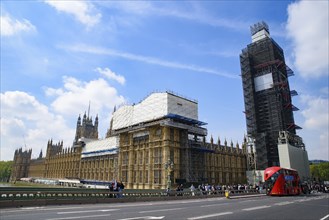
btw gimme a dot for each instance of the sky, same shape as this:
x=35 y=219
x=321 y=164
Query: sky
x=59 y=56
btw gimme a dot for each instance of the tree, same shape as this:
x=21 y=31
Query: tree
x=324 y=171
x=320 y=171
x=5 y=170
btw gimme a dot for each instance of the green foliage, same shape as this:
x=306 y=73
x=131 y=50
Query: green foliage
x=5 y=170
x=320 y=171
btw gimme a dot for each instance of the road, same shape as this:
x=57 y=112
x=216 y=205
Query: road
x=315 y=206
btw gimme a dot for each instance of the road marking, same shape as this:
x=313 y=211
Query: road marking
x=37 y=207
x=143 y=217
x=283 y=203
x=191 y=201
x=78 y=217
x=160 y=210
x=211 y=215
x=247 y=196
x=258 y=207
x=54 y=208
x=41 y=208
x=324 y=217
x=215 y=205
x=75 y=212
x=247 y=201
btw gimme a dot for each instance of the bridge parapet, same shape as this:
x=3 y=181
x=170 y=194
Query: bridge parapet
x=18 y=197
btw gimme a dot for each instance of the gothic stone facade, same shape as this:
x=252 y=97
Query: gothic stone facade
x=142 y=156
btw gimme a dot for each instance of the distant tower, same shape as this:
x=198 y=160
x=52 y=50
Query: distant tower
x=21 y=164
x=86 y=128
x=40 y=155
x=267 y=96
x=53 y=149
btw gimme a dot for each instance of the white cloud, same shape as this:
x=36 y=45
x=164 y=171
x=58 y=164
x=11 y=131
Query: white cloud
x=146 y=59
x=308 y=27
x=75 y=96
x=316 y=113
x=111 y=75
x=316 y=126
x=10 y=26
x=83 y=11
x=24 y=120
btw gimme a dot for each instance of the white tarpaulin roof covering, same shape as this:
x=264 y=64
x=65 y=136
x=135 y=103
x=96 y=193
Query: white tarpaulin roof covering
x=155 y=106
x=101 y=147
x=69 y=181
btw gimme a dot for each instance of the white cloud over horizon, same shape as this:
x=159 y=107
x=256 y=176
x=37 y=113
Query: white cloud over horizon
x=11 y=26
x=27 y=121
x=83 y=11
x=111 y=75
x=75 y=96
x=307 y=26
x=316 y=125
x=316 y=114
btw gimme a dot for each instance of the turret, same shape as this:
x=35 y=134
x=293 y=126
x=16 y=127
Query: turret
x=237 y=147
x=244 y=145
x=96 y=121
x=84 y=120
x=225 y=145
x=79 y=121
x=86 y=129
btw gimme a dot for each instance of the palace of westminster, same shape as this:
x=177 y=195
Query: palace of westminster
x=144 y=141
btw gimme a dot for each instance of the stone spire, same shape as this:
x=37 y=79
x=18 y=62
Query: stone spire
x=237 y=147
x=244 y=144
x=40 y=155
x=96 y=122
x=225 y=145
x=218 y=141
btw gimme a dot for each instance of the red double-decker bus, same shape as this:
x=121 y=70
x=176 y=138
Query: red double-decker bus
x=281 y=181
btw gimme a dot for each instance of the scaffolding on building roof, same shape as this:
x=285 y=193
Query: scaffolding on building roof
x=258 y=27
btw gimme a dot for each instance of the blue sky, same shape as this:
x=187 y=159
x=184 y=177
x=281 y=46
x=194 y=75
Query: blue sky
x=56 y=56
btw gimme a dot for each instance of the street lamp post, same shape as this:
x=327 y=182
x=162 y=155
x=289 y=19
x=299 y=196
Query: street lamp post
x=169 y=166
x=252 y=165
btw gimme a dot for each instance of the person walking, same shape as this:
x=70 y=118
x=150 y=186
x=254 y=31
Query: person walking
x=192 y=190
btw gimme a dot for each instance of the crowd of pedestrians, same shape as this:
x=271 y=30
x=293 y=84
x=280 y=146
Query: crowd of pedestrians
x=208 y=189
x=317 y=187
x=117 y=188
